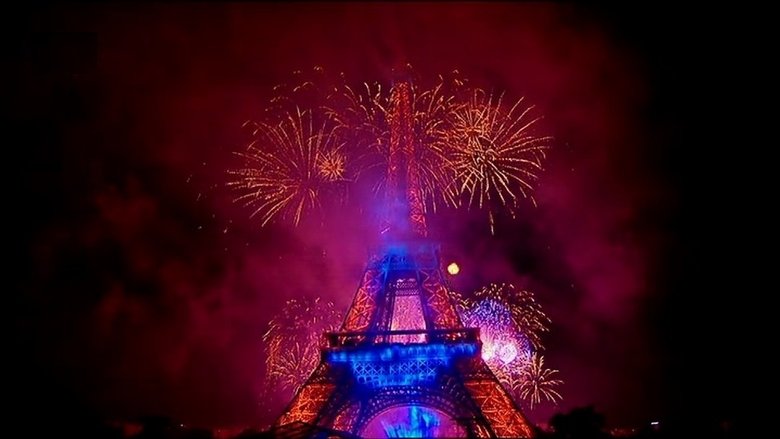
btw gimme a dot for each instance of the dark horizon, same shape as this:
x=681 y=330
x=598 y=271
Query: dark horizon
x=139 y=288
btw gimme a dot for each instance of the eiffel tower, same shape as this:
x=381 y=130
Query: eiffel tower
x=402 y=364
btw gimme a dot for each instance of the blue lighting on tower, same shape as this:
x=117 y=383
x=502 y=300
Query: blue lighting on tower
x=421 y=423
x=400 y=365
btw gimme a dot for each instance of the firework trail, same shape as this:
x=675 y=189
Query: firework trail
x=538 y=384
x=292 y=342
x=288 y=167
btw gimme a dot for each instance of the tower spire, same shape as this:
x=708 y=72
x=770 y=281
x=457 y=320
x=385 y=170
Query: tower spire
x=405 y=214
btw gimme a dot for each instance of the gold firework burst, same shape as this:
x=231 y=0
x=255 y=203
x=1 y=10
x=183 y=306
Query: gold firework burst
x=465 y=147
x=287 y=167
x=538 y=384
x=493 y=151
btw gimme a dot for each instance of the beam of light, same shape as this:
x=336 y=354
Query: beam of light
x=453 y=268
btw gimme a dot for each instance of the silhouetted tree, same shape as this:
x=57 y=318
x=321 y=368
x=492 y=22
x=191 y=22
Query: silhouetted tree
x=155 y=427
x=251 y=433
x=580 y=423
x=198 y=433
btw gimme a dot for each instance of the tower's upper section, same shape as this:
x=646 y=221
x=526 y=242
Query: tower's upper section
x=405 y=216
x=403 y=289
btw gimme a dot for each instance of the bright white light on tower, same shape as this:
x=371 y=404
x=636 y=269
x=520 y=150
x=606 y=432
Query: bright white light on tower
x=507 y=353
x=453 y=269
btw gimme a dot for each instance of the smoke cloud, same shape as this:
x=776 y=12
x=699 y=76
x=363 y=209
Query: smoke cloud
x=149 y=289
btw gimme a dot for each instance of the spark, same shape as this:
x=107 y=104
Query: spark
x=294 y=364
x=453 y=268
x=359 y=116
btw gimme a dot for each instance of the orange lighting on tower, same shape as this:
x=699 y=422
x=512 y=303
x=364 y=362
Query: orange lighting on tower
x=453 y=268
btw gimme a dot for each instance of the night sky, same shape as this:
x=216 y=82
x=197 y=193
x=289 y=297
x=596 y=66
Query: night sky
x=139 y=288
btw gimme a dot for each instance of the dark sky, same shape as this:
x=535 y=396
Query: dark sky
x=138 y=288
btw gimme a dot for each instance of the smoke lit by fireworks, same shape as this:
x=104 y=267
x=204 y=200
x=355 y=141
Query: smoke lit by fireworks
x=291 y=343
x=538 y=383
x=468 y=149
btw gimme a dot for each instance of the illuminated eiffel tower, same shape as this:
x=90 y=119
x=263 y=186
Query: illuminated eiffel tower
x=402 y=364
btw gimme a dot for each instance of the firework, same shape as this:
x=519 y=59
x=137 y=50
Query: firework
x=288 y=167
x=526 y=314
x=503 y=344
x=367 y=110
x=432 y=110
x=292 y=341
x=359 y=115
x=465 y=148
x=293 y=365
x=493 y=152
x=511 y=324
x=331 y=165
x=538 y=384
x=364 y=116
